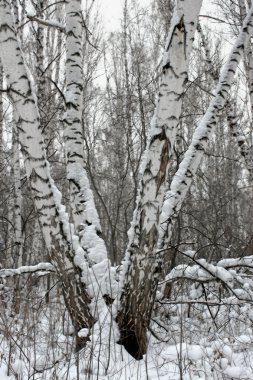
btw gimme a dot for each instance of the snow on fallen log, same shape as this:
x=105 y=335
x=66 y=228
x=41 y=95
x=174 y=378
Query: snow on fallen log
x=41 y=267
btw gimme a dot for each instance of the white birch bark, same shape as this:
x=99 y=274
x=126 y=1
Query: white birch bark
x=187 y=169
x=17 y=199
x=59 y=45
x=15 y=11
x=18 y=235
x=136 y=297
x=246 y=147
x=232 y=118
x=65 y=252
x=84 y=212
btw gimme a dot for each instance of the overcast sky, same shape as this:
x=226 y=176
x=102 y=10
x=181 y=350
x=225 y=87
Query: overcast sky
x=111 y=11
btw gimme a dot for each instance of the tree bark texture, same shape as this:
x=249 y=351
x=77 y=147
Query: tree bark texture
x=232 y=117
x=189 y=165
x=64 y=250
x=137 y=294
x=85 y=217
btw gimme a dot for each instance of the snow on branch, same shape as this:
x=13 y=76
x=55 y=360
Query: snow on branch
x=41 y=267
x=246 y=262
x=49 y=23
x=204 y=272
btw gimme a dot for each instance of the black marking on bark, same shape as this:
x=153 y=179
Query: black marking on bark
x=4 y=27
x=43 y=197
x=199 y=147
x=75 y=183
x=46 y=207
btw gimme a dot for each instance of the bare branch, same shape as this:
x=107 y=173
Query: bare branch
x=50 y=24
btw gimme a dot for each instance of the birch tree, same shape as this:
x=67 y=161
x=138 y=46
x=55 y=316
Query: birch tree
x=246 y=146
x=64 y=250
x=137 y=294
x=84 y=212
x=187 y=169
x=74 y=249
x=232 y=116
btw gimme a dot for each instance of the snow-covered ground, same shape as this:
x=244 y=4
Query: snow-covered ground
x=204 y=331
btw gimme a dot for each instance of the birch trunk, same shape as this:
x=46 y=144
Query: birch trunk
x=18 y=241
x=64 y=250
x=84 y=213
x=18 y=238
x=188 y=167
x=232 y=118
x=246 y=148
x=137 y=295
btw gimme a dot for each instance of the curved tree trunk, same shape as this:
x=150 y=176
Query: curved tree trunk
x=64 y=250
x=244 y=145
x=137 y=295
x=189 y=165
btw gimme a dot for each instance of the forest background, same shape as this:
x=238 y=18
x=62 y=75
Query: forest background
x=180 y=305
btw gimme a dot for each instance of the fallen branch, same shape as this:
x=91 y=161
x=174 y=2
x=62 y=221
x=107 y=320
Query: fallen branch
x=41 y=267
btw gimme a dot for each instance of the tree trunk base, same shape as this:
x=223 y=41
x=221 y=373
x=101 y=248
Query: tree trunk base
x=133 y=338
x=81 y=342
